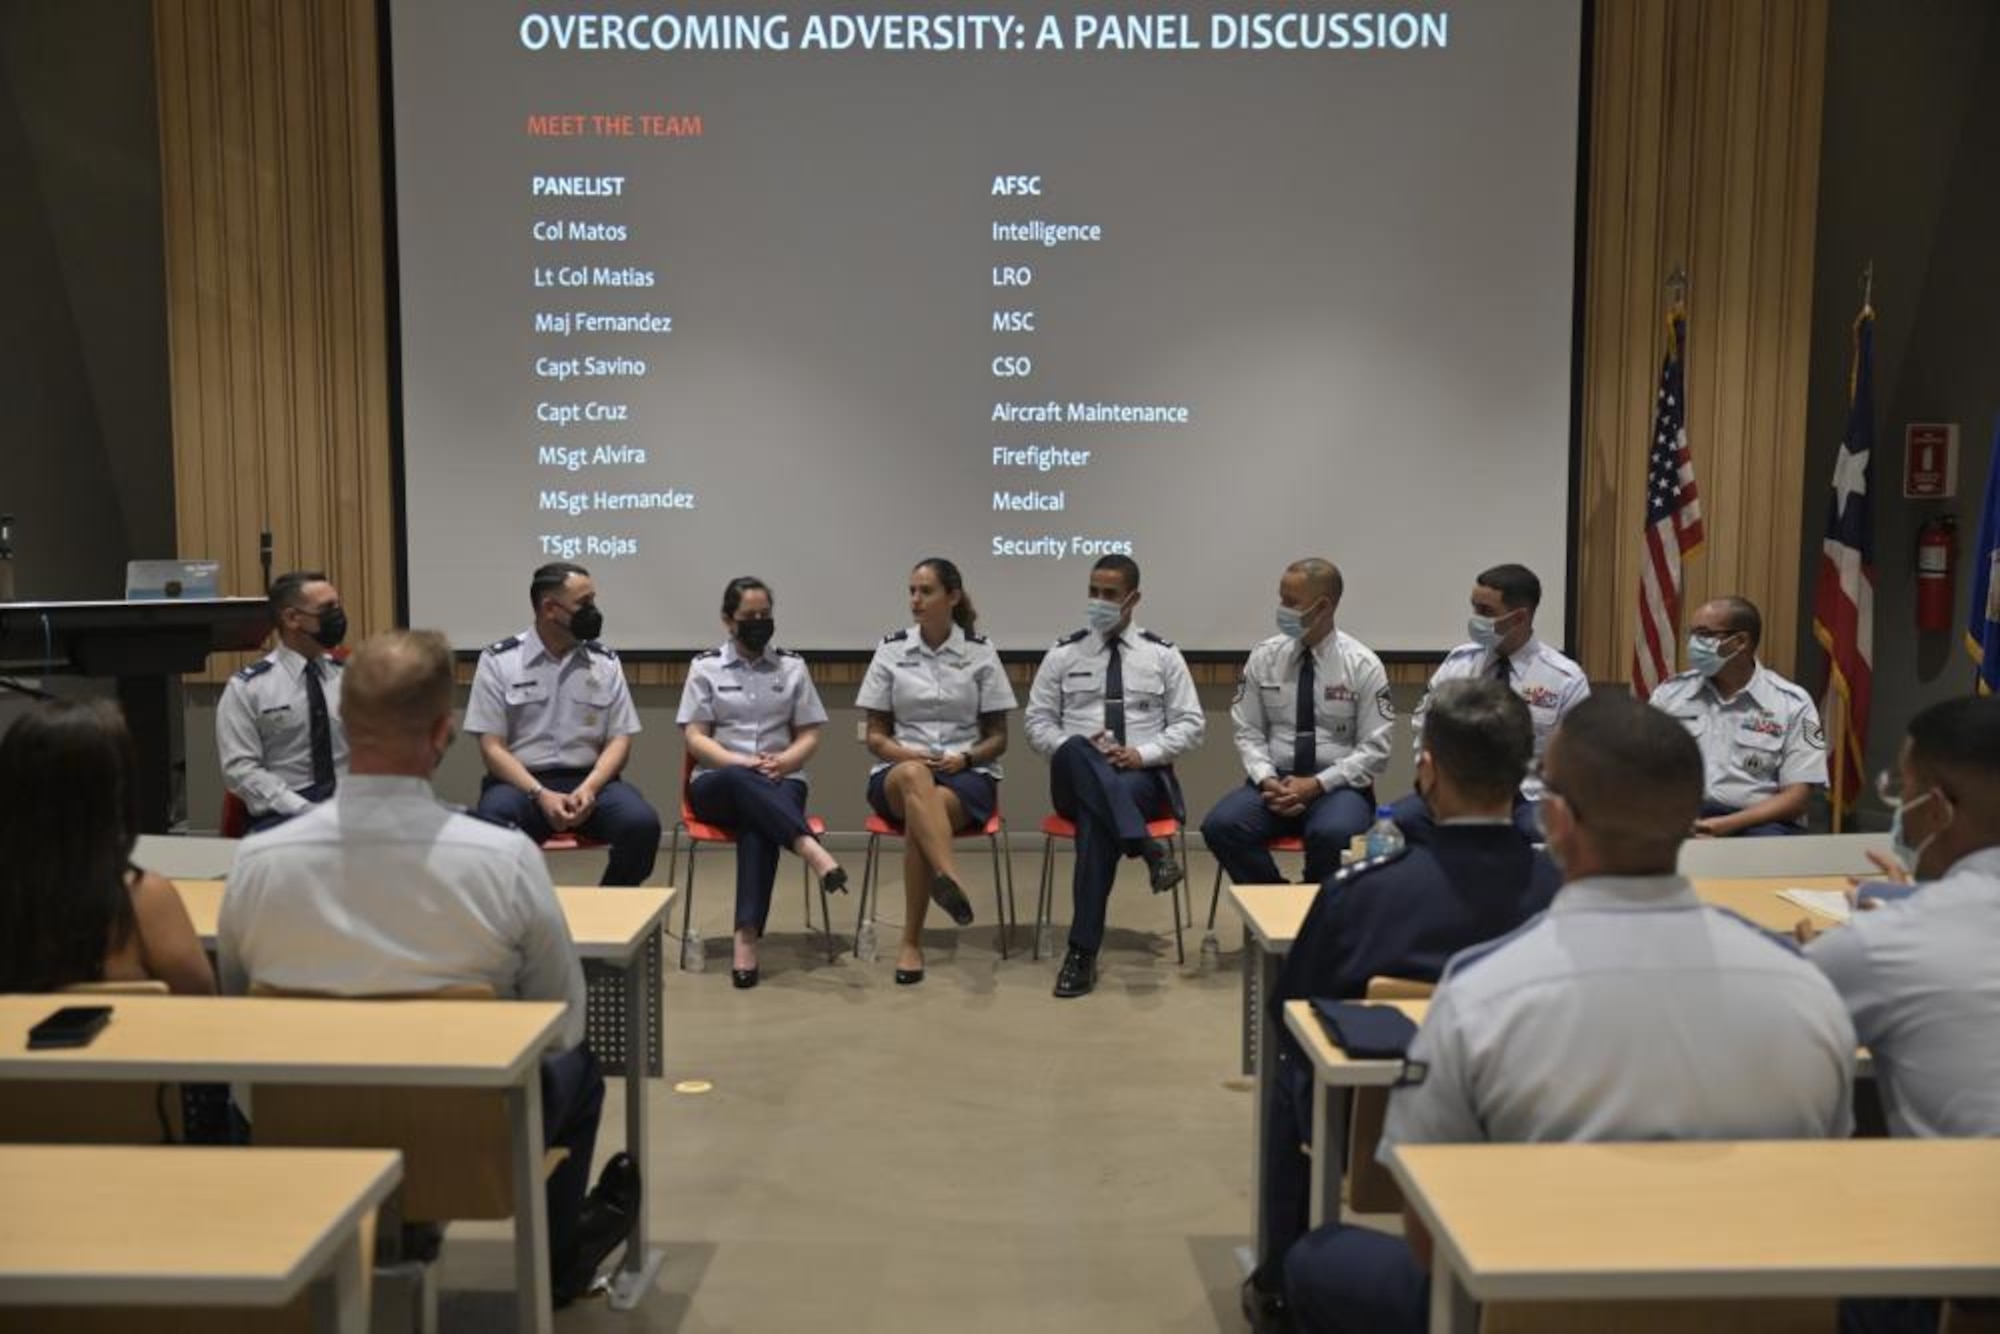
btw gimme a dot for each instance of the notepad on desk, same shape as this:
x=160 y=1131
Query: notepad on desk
x=1826 y=902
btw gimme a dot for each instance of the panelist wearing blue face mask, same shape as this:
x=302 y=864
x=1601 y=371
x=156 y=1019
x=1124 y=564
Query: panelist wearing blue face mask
x=1503 y=647
x=1112 y=708
x=1313 y=715
x=1761 y=742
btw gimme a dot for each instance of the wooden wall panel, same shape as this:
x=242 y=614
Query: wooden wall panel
x=1704 y=152
x=277 y=341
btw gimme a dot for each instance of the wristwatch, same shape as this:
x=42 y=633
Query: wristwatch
x=536 y=793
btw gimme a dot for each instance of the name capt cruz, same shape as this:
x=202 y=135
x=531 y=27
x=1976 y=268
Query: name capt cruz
x=569 y=414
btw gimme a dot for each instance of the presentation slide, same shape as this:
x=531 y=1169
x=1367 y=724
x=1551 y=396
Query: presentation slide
x=690 y=293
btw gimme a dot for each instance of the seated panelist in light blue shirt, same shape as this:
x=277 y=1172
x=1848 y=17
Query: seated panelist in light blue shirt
x=752 y=719
x=937 y=699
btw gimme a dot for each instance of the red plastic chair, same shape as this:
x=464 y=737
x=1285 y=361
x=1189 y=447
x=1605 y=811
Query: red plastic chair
x=1056 y=827
x=994 y=831
x=235 y=819
x=568 y=840
x=699 y=831
x=1282 y=843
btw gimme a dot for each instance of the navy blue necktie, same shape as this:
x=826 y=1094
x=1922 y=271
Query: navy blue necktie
x=1305 y=743
x=1114 y=695
x=1503 y=670
x=321 y=729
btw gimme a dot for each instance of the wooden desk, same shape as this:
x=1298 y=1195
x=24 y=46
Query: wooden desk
x=1272 y=916
x=1756 y=898
x=96 y=1226
x=258 y=1040
x=1334 y=1073
x=1540 y=1222
x=616 y=927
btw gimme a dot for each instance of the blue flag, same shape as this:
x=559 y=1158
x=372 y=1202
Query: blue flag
x=1982 y=630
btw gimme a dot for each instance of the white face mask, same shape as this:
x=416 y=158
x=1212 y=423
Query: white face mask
x=1102 y=616
x=1899 y=846
x=1484 y=631
x=1291 y=622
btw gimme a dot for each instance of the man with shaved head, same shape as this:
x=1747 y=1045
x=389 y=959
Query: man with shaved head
x=1762 y=748
x=1313 y=717
x=384 y=889
x=1629 y=1011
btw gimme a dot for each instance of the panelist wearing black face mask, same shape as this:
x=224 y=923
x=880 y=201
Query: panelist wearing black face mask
x=752 y=719
x=555 y=723
x=277 y=726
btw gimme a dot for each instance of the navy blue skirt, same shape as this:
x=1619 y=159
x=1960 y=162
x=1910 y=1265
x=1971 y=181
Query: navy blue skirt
x=977 y=793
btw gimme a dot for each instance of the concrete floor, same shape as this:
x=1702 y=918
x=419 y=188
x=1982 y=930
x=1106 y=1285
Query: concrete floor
x=968 y=1154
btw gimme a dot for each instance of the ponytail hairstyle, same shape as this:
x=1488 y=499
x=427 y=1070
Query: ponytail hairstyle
x=952 y=581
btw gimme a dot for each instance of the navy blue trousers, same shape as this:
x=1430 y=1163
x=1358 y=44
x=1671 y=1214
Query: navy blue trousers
x=1239 y=826
x=1769 y=829
x=767 y=815
x=1110 y=808
x=1286 y=1187
x=1351 y=1280
x=622 y=818
x=572 y=1105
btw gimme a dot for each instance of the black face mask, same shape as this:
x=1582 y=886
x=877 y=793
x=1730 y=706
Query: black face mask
x=332 y=628
x=586 y=622
x=753 y=635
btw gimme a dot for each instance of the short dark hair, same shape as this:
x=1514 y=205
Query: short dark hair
x=1479 y=733
x=733 y=591
x=1320 y=573
x=1744 y=618
x=1960 y=740
x=1516 y=585
x=287 y=589
x=1127 y=568
x=549 y=579
x=1633 y=777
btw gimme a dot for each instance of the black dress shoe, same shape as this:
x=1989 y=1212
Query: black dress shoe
x=1161 y=867
x=946 y=894
x=909 y=977
x=606 y=1220
x=1078 y=974
x=1265 y=1310
x=743 y=978
x=834 y=881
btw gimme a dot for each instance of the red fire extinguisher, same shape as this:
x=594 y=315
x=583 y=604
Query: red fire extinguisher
x=1937 y=546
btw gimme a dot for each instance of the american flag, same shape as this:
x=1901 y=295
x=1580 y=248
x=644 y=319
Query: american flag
x=1844 y=602
x=1673 y=520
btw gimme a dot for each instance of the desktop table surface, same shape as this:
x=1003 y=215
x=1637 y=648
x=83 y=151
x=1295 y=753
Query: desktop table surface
x=604 y=923
x=104 y=1225
x=433 y=1043
x=1274 y=914
x=1770 y=1218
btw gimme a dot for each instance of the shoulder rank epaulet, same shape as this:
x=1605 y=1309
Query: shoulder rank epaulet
x=1149 y=635
x=789 y=653
x=709 y=653
x=503 y=645
x=972 y=637
x=255 y=669
x=592 y=646
x=1072 y=637
x=1356 y=870
x=896 y=636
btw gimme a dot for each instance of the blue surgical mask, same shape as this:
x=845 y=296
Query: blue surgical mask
x=1102 y=616
x=1899 y=847
x=1291 y=622
x=1706 y=656
x=1485 y=631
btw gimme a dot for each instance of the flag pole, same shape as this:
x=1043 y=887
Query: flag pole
x=1839 y=752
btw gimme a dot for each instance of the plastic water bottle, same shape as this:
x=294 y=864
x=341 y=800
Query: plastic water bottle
x=1211 y=953
x=1045 y=944
x=694 y=954
x=1384 y=839
x=867 y=947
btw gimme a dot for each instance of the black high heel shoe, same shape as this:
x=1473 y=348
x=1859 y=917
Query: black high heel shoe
x=743 y=978
x=909 y=977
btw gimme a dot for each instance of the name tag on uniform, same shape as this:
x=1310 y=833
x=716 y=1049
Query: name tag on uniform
x=521 y=690
x=279 y=708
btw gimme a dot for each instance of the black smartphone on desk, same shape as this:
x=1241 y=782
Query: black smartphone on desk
x=71 y=1026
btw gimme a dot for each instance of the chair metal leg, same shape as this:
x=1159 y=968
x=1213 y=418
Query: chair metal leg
x=1044 y=895
x=999 y=902
x=825 y=924
x=868 y=887
x=687 y=901
x=1180 y=940
x=1214 y=898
